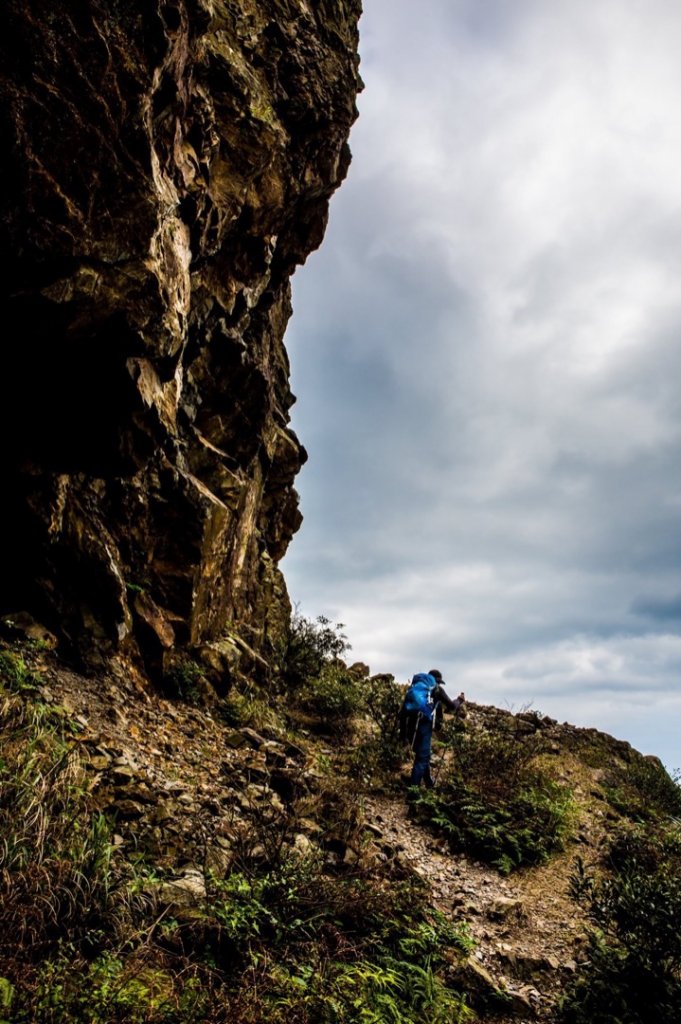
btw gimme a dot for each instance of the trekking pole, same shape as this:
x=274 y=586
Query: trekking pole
x=441 y=761
x=435 y=775
x=419 y=716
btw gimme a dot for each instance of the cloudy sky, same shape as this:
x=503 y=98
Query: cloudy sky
x=486 y=352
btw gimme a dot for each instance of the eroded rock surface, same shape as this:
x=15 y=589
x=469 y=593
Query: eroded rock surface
x=165 y=168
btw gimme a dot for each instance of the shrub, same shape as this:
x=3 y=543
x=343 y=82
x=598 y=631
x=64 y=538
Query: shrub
x=15 y=675
x=384 y=699
x=335 y=697
x=351 y=950
x=311 y=644
x=523 y=829
x=643 y=790
x=316 y=678
x=242 y=708
x=376 y=759
x=183 y=679
x=112 y=990
x=495 y=801
x=633 y=971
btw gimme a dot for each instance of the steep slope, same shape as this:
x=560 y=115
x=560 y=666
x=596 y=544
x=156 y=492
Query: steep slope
x=166 y=166
x=258 y=871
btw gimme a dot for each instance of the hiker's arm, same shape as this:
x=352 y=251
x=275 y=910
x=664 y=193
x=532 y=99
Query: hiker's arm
x=441 y=696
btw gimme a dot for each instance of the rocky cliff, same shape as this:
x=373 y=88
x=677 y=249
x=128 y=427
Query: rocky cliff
x=166 y=165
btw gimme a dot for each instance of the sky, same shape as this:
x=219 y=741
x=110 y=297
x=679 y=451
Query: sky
x=486 y=353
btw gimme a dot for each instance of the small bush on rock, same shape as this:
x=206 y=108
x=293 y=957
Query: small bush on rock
x=381 y=753
x=643 y=790
x=311 y=644
x=317 y=679
x=633 y=971
x=335 y=696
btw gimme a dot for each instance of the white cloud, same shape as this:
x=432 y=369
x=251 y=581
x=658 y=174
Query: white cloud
x=486 y=351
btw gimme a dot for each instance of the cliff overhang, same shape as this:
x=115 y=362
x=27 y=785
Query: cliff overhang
x=167 y=166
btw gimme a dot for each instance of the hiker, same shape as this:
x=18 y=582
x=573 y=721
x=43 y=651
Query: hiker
x=420 y=713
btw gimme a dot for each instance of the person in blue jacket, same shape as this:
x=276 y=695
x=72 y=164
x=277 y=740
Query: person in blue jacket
x=420 y=713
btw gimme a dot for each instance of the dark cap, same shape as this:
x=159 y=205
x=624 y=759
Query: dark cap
x=436 y=674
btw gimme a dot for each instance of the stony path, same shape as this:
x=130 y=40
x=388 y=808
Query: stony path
x=526 y=928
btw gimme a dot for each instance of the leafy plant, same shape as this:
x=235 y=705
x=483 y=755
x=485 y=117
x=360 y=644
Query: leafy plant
x=335 y=697
x=15 y=675
x=311 y=644
x=383 y=700
x=633 y=971
x=643 y=790
x=495 y=801
x=249 y=708
x=182 y=680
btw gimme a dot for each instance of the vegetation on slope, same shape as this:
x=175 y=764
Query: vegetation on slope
x=304 y=919
x=632 y=974
x=496 y=799
x=278 y=935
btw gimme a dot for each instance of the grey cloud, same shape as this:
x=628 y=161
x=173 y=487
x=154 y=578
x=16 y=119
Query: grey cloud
x=486 y=356
x=659 y=608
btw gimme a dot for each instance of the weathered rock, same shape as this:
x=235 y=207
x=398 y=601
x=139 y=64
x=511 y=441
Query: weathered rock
x=505 y=908
x=165 y=168
x=288 y=783
x=190 y=888
x=164 y=811
x=235 y=740
x=274 y=753
x=520 y=1003
x=122 y=773
x=252 y=738
x=476 y=980
x=294 y=752
x=530 y=965
x=22 y=625
x=302 y=845
x=127 y=809
x=140 y=792
x=350 y=857
x=373 y=829
x=98 y=763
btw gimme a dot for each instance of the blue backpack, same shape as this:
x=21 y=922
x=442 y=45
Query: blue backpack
x=419 y=696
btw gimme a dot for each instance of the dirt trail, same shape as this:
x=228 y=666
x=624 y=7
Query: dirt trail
x=527 y=929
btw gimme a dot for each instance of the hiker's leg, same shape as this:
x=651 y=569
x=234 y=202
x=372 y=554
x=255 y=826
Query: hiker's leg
x=421 y=769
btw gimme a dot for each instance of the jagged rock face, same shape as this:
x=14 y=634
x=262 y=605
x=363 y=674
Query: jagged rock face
x=165 y=168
